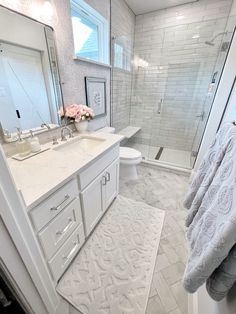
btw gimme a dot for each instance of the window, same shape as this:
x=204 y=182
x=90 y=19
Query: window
x=90 y=31
x=122 y=53
x=118 y=56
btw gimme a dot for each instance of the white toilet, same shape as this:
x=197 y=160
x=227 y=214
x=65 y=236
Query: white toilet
x=129 y=159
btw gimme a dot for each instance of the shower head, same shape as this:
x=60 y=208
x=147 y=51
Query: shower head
x=211 y=42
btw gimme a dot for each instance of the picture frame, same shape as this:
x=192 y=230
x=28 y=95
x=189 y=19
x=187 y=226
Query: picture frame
x=95 y=88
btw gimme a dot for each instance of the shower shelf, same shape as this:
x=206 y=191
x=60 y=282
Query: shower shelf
x=129 y=131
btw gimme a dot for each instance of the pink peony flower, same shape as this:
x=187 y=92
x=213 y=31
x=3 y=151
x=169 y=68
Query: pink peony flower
x=79 y=112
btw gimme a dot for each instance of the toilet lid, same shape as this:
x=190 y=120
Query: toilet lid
x=129 y=153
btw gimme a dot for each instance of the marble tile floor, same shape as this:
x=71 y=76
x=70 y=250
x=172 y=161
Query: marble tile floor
x=164 y=190
x=179 y=158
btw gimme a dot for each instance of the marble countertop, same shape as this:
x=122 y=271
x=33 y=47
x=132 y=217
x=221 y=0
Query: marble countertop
x=37 y=177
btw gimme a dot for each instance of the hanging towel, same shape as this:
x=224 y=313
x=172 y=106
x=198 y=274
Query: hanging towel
x=211 y=220
x=223 y=278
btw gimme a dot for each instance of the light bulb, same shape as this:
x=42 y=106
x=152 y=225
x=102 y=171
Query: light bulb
x=47 y=11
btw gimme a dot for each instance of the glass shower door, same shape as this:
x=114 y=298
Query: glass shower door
x=212 y=88
x=177 y=114
x=185 y=86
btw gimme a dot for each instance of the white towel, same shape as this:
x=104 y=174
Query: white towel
x=212 y=211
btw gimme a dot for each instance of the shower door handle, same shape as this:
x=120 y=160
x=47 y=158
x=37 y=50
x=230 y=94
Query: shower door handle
x=160 y=104
x=201 y=115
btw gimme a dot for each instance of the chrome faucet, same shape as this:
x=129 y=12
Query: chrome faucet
x=63 y=130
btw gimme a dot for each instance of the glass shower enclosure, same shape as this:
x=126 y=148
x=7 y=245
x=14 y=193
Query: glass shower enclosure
x=170 y=90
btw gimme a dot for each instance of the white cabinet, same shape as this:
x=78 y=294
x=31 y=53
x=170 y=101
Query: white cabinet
x=53 y=205
x=66 y=253
x=111 y=188
x=59 y=229
x=58 y=224
x=98 y=195
x=63 y=219
x=92 y=203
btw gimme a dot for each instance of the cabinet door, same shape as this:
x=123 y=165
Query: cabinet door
x=92 y=203
x=112 y=183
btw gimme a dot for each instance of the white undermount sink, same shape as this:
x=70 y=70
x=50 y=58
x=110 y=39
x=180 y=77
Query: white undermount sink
x=82 y=142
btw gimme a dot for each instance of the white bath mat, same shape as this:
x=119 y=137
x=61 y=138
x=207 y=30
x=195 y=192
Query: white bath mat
x=112 y=273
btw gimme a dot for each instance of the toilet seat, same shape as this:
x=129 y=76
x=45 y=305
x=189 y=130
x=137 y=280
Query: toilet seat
x=129 y=153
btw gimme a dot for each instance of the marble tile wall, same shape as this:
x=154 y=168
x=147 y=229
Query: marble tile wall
x=176 y=67
x=122 y=30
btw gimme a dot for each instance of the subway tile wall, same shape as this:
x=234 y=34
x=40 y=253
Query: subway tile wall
x=173 y=69
x=122 y=31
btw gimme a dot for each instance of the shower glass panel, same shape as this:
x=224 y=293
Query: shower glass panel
x=173 y=90
x=121 y=80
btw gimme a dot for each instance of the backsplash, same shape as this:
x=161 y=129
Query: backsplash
x=44 y=137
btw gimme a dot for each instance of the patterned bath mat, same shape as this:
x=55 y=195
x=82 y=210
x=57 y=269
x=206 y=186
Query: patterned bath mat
x=113 y=271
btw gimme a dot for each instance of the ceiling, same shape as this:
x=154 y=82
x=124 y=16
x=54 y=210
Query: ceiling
x=141 y=6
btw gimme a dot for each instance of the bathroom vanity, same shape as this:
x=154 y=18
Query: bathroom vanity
x=66 y=190
x=52 y=201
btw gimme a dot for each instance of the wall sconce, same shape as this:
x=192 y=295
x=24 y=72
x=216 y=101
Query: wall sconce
x=142 y=63
x=48 y=12
x=139 y=62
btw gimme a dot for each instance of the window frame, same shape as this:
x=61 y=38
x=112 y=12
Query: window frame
x=82 y=8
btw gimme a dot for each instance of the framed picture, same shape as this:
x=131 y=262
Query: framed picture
x=96 y=95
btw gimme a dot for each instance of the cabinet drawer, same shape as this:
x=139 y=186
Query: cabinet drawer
x=48 y=209
x=64 y=256
x=88 y=175
x=60 y=228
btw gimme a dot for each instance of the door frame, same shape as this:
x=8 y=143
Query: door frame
x=14 y=271
x=15 y=218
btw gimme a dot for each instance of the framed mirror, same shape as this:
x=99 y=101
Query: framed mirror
x=30 y=93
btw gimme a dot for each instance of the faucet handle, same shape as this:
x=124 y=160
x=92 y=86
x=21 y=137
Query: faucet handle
x=63 y=138
x=54 y=140
x=71 y=134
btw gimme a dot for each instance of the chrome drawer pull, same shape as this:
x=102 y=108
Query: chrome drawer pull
x=67 y=196
x=71 y=252
x=108 y=176
x=66 y=228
